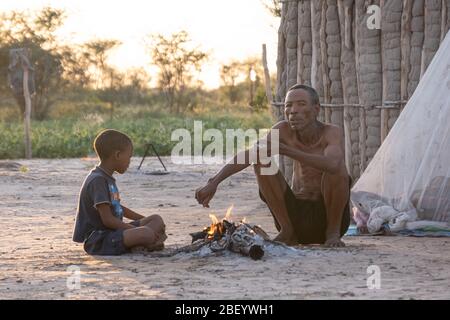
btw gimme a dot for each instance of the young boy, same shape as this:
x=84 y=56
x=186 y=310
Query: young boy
x=99 y=215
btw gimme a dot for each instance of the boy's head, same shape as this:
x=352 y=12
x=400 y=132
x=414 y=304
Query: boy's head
x=114 y=147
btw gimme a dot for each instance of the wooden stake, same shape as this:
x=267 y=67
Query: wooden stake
x=347 y=26
x=384 y=112
x=300 y=65
x=267 y=76
x=324 y=56
x=405 y=49
x=362 y=111
x=362 y=139
x=27 y=117
x=347 y=139
x=444 y=14
x=345 y=18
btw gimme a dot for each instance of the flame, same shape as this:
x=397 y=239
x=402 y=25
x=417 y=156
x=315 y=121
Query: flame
x=217 y=228
x=214 y=219
x=213 y=227
x=244 y=220
x=228 y=214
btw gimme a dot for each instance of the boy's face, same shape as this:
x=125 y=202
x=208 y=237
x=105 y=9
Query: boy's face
x=123 y=159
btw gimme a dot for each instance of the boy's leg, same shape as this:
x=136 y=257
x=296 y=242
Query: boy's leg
x=154 y=221
x=143 y=236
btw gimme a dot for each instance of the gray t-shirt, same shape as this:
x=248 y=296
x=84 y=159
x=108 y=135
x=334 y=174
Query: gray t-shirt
x=98 y=187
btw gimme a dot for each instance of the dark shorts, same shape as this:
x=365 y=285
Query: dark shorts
x=105 y=243
x=309 y=218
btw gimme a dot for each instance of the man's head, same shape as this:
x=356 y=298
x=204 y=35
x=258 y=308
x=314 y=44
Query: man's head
x=301 y=106
x=114 y=147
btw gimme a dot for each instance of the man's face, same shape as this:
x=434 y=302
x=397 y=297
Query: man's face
x=123 y=159
x=299 y=110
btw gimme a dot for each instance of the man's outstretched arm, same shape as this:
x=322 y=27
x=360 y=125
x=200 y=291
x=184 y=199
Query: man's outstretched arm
x=239 y=162
x=206 y=193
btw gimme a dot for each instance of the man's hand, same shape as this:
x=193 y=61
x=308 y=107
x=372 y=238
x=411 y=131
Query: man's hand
x=334 y=242
x=205 y=194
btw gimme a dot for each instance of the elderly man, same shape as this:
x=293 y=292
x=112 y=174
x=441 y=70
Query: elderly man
x=315 y=208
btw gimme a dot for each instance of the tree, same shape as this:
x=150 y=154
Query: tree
x=76 y=64
x=274 y=7
x=111 y=93
x=37 y=34
x=176 y=64
x=242 y=81
x=136 y=81
x=97 y=51
x=229 y=75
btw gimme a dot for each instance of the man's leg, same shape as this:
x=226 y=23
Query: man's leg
x=273 y=188
x=335 y=191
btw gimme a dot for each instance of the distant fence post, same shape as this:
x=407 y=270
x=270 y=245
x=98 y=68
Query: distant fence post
x=267 y=76
x=20 y=79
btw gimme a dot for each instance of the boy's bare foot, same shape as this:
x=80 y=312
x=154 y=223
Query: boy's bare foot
x=156 y=247
x=138 y=249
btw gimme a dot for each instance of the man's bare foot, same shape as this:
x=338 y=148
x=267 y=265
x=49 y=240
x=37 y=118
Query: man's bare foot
x=334 y=243
x=288 y=239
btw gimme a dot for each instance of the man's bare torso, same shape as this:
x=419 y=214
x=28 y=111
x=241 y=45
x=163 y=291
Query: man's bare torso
x=306 y=180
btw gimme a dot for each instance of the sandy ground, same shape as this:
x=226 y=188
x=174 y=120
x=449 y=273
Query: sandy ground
x=37 y=253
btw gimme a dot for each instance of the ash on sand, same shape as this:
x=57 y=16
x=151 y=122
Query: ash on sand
x=271 y=250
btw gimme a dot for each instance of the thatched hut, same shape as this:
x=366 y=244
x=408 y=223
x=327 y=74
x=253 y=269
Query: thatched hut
x=362 y=73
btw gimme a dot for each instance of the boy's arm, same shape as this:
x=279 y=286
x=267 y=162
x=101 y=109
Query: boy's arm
x=109 y=220
x=130 y=214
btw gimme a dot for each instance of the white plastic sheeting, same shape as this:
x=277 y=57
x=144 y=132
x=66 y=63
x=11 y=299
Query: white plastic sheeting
x=408 y=179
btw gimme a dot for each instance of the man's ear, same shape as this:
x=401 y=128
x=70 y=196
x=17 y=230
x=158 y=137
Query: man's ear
x=317 y=108
x=117 y=154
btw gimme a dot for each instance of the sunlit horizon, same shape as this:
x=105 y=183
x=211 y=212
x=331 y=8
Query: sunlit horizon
x=228 y=30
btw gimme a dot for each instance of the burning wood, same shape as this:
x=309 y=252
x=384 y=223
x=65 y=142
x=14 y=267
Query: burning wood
x=241 y=238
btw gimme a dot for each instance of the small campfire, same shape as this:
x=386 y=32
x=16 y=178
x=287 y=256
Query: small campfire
x=239 y=237
x=225 y=235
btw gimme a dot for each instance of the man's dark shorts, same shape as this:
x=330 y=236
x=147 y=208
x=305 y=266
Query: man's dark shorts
x=309 y=218
x=107 y=242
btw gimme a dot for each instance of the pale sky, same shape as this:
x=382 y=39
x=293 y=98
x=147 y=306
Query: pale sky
x=230 y=29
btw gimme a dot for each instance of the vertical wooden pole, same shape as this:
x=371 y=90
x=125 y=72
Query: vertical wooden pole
x=324 y=58
x=362 y=139
x=384 y=114
x=27 y=117
x=348 y=41
x=347 y=139
x=267 y=76
x=362 y=110
x=405 y=49
x=384 y=122
x=444 y=14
